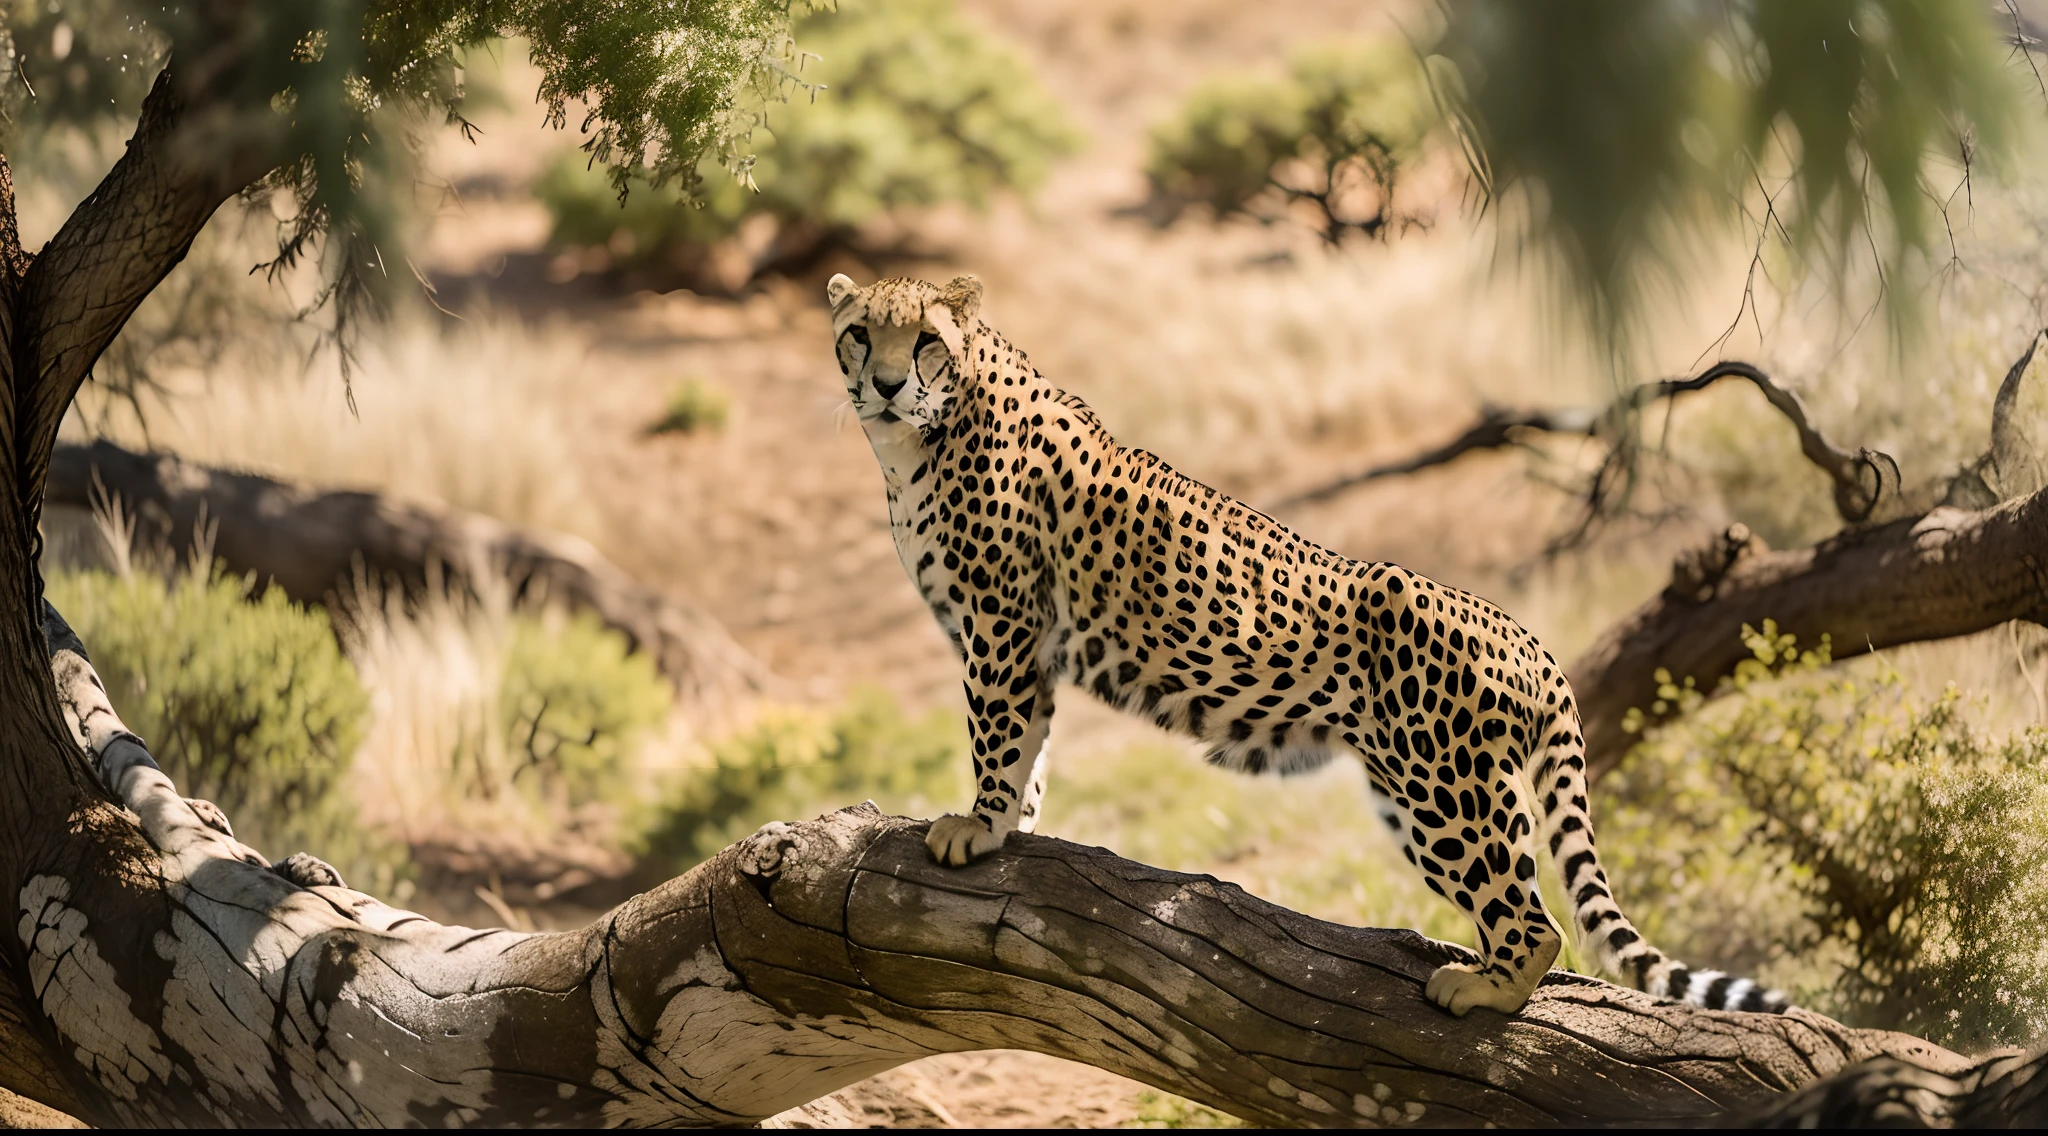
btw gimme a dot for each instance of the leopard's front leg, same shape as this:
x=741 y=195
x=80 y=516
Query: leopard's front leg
x=1009 y=715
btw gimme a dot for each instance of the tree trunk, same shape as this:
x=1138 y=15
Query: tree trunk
x=196 y=984
x=311 y=543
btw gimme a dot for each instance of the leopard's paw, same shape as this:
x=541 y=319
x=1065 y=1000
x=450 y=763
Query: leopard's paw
x=1457 y=988
x=955 y=841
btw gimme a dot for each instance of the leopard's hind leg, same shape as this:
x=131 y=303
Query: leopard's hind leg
x=1464 y=822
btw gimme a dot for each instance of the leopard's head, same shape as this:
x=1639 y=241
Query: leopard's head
x=900 y=345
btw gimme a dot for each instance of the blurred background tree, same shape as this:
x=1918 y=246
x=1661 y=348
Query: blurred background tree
x=908 y=105
x=1615 y=138
x=1333 y=134
x=1617 y=131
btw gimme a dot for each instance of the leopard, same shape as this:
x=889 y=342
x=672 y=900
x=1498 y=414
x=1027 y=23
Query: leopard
x=1051 y=555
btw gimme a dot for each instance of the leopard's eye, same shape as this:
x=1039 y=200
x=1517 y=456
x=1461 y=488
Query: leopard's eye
x=931 y=365
x=853 y=349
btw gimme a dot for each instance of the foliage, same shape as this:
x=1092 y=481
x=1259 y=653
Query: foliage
x=1631 y=122
x=1886 y=856
x=244 y=700
x=574 y=704
x=75 y=62
x=1335 y=130
x=1164 y=1110
x=694 y=405
x=912 y=106
x=534 y=722
x=795 y=763
x=333 y=90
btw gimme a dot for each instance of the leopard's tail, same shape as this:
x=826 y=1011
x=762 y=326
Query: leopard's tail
x=1603 y=932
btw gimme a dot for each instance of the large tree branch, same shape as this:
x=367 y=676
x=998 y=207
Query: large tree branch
x=1965 y=567
x=311 y=543
x=1951 y=572
x=197 y=985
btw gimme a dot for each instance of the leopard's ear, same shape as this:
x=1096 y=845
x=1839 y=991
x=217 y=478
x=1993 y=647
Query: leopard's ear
x=839 y=288
x=963 y=297
x=941 y=317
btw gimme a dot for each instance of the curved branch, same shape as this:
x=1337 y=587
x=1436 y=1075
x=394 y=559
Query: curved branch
x=197 y=986
x=1951 y=572
x=116 y=247
x=1862 y=479
x=1496 y=429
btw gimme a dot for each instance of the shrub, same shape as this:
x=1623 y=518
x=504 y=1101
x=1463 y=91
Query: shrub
x=912 y=107
x=244 y=700
x=574 y=704
x=1335 y=132
x=1883 y=857
x=1164 y=1110
x=694 y=405
x=796 y=763
x=487 y=714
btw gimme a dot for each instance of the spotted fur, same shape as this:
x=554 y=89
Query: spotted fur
x=1047 y=551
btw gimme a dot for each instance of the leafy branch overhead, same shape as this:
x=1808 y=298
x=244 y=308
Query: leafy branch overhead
x=329 y=96
x=1838 y=126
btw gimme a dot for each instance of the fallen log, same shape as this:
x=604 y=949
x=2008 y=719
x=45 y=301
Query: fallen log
x=314 y=543
x=186 y=980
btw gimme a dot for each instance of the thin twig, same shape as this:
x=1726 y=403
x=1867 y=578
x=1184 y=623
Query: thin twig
x=1862 y=478
x=2023 y=43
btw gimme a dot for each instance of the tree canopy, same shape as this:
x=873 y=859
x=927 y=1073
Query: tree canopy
x=1842 y=127
x=331 y=95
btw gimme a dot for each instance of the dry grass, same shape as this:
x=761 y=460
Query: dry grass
x=486 y=414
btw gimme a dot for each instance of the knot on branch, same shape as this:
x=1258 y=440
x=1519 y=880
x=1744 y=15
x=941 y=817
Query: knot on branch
x=212 y=816
x=1873 y=479
x=308 y=871
x=1696 y=573
x=760 y=855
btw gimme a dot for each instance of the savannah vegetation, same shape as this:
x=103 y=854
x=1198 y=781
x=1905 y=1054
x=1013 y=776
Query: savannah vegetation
x=515 y=263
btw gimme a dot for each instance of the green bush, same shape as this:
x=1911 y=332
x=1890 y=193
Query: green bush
x=912 y=107
x=574 y=705
x=1334 y=132
x=1164 y=1110
x=244 y=700
x=794 y=764
x=694 y=405
x=1885 y=859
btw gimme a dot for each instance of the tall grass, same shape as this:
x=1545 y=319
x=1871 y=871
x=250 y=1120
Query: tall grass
x=492 y=415
x=529 y=722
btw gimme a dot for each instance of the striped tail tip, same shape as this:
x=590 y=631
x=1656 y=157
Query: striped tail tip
x=1714 y=990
